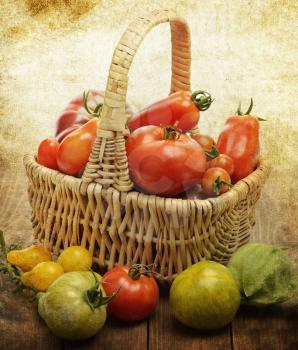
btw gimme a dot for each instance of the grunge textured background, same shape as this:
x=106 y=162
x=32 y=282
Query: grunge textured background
x=53 y=50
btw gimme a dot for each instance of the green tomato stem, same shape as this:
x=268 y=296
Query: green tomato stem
x=213 y=153
x=202 y=99
x=94 y=296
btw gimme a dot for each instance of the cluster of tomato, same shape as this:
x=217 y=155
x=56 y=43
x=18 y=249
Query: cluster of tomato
x=164 y=158
x=134 y=292
x=168 y=160
x=75 y=134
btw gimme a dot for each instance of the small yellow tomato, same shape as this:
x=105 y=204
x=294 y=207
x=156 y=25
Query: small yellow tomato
x=75 y=258
x=42 y=275
x=27 y=259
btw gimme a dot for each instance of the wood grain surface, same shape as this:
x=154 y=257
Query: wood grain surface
x=273 y=328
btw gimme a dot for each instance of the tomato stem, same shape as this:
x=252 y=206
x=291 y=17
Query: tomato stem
x=202 y=99
x=171 y=132
x=213 y=153
x=94 y=296
x=97 y=110
x=238 y=112
x=136 y=270
x=218 y=183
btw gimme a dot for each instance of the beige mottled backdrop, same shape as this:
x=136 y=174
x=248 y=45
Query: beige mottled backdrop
x=53 y=50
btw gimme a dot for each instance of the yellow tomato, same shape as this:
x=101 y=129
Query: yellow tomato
x=27 y=258
x=42 y=275
x=75 y=258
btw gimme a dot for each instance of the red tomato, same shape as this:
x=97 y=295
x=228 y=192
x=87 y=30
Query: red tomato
x=222 y=161
x=138 y=293
x=181 y=109
x=47 y=153
x=216 y=181
x=74 y=150
x=67 y=131
x=164 y=162
x=76 y=115
x=205 y=141
x=240 y=141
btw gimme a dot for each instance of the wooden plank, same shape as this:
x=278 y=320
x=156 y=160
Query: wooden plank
x=165 y=333
x=115 y=335
x=266 y=328
x=20 y=325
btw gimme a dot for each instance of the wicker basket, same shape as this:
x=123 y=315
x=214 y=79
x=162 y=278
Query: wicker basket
x=101 y=212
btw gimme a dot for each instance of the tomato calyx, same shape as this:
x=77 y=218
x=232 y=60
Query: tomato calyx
x=171 y=132
x=213 y=153
x=137 y=270
x=240 y=113
x=202 y=99
x=95 y=297
x=97 y=110
x=218 y=183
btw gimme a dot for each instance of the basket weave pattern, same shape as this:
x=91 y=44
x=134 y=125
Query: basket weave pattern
x=117 y=225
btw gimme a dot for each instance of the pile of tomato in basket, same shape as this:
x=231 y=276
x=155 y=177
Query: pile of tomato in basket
x=166 y=156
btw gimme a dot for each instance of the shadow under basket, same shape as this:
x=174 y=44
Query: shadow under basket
x=119 y=227
x=101 y=212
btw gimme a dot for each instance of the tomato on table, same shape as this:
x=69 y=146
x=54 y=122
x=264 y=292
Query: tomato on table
x=215 y=181
x=163 y=161
x=47 y=153
x=138 y=293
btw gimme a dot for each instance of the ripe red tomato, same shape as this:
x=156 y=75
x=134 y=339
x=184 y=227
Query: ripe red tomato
x=181 y=108
x=164 y=162
x=47 y=153
x=222 y=161
x=75 y=114
x=205 y=141
x=138 y=292
x=216 y=181
x=74 y=150
x=240 y=140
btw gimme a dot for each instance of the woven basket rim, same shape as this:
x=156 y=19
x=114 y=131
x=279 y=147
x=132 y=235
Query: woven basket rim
x=241 y=187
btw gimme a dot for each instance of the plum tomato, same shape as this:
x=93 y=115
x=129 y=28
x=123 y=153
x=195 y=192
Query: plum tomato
x=74 y=150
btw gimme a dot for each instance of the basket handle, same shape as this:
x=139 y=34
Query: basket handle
x=108 y=162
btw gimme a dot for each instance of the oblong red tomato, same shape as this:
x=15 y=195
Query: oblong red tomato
x=181 y=109
x=74 y=150
x=163 y=162
x=76 y=114
x=240 y=140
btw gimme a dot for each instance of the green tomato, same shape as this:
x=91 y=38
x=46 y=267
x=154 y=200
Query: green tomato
x=205 y=296
x=74 y=306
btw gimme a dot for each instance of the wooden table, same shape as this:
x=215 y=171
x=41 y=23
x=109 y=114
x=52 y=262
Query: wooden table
x=271 y=328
